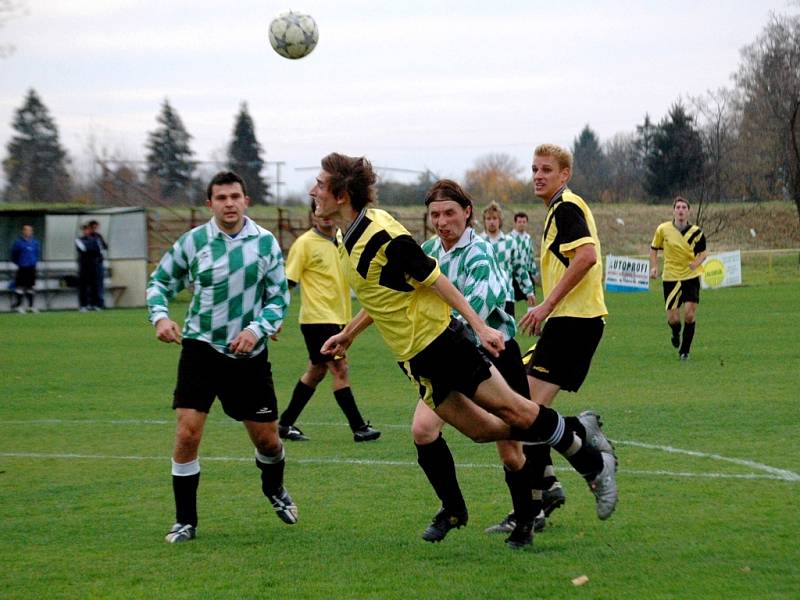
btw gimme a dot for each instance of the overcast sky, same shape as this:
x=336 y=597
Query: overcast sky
x=413 y=84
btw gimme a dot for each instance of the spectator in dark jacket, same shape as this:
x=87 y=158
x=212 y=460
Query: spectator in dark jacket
x=101 y=242
x=89 y=254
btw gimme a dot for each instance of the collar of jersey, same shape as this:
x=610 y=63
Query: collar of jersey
x=354 y=224
x=556 y=196
x=248 y=230
x=465 y=240
x=323 y=236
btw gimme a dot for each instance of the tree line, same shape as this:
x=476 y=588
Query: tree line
x=36 y=167
x=737 y=143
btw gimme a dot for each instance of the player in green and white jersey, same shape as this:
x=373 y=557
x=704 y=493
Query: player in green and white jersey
x=525 y=250
x=507 y=255
x=467 y=260
x=239 y=299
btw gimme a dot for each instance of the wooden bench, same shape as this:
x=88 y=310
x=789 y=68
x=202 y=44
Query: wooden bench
x=56 y=285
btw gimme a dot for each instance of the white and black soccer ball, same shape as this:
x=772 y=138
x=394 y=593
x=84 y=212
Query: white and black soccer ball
x=293 y=35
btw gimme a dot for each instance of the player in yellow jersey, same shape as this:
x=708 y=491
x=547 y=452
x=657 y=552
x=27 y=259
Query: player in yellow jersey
x=313 y=262
x=403 y=291
x=571 y=317
x=684 y=247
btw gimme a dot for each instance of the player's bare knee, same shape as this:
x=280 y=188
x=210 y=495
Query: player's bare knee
x=269 y=445
x=187 y=435
x=423 y=433
x=339 y=368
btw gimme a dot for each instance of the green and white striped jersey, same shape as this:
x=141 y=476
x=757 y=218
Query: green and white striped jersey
x=525 y=248
x=239 y=283
x=510 y=262
x=471 y=266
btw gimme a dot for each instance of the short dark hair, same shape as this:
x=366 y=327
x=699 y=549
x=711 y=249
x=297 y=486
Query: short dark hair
x=352 y=175
x=92 y=223
x=681 y=199
x=520 y=215
x=447 y=189
x=224 y=178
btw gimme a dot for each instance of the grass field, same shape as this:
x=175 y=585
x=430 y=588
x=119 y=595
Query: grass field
x=709 y=483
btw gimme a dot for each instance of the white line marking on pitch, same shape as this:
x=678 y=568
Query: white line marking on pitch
x=777 y=476
x=771 y=472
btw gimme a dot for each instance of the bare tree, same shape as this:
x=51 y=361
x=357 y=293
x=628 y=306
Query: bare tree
x=718 y=121
x=495 y=177
x=624 y=170
x=9 y=9
x=769 y=78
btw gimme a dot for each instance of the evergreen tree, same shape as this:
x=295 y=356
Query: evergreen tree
x=244 y=156
x=36 y=164
x=169 y=158
x=590 y=167
x=644 y=142
x=676 y=159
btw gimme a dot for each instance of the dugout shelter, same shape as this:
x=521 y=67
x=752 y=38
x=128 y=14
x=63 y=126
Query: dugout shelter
x=125 y=232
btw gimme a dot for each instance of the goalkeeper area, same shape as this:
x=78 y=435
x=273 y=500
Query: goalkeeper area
x=709 y=476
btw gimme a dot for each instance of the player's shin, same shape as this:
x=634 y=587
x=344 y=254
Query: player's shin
x=551 y=428
x=185 y=480
x=437 y=463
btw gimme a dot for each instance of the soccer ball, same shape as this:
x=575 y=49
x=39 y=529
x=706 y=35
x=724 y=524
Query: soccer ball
x=293 y=35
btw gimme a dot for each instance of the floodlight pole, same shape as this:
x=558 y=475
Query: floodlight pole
x=278 y=183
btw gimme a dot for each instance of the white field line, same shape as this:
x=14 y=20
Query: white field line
x=768 y=472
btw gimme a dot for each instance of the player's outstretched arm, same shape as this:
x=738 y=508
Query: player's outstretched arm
x=337 y=345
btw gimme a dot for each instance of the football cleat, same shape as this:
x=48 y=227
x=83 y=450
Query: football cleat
x=521 y=536
x=181 y=533
x=604 y=487
x=365 y=433
x=595 y=437
x=442 y=523
x=553 y=498
x=505 y=526
x=684 y=356
x=284 y=506
x=539 y=522
x=291 y=433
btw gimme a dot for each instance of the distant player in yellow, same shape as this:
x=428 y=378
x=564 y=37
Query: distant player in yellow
x=684 y=247
x=313 y=262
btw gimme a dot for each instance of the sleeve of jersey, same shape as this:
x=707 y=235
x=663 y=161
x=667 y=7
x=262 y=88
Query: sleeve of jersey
x=700 y=245
x=658 y=239
x=572 y=228
x=405 y=253
x=168 y=278
x=276 y=296
x=15 y=249
x=294 y=261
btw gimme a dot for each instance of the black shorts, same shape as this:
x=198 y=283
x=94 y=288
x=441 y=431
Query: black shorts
x=243 y=385
x=565 y=349
x=509 y=363
x=25 y=278
x=678 y=292
x=450 y=363
x=316 y=334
